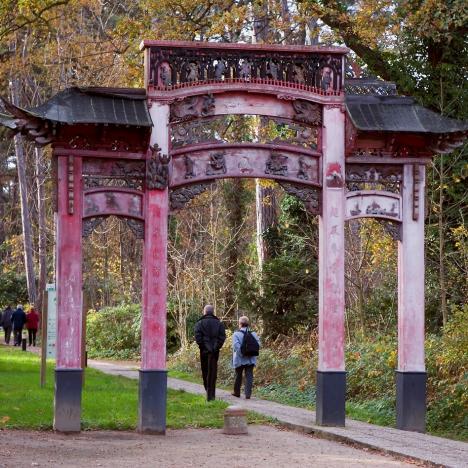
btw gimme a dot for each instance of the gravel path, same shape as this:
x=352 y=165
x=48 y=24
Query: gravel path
x=264 y=447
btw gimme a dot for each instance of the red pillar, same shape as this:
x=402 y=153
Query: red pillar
x=331 y=376
x=153 y=374
x=411 y=374
x=68 y=372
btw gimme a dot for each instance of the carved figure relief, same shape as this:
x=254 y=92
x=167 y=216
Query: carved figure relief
x=244 y=165
x=272 y=70
x=220 y=68
x=307 y=112
x=192 y=72
x=111 y=202
x=298 y=73
x=192 y=107
x=79 y=142
x=245 y=70
x=157 y=170
x=216 y=164
x=277 y=164
x=134 y=206
x=375 y=209
x=334 y=176
x=189 y=167
x=304 y=168
x=327 y=79
x=118 y=145
x=165 y=74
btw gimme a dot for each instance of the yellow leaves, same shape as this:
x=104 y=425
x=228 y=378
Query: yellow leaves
x=4 y=419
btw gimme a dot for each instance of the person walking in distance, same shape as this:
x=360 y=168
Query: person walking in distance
x=6 y=323
x=32 y=324
x=18 y=319
x=245 y=347
x=210 y=336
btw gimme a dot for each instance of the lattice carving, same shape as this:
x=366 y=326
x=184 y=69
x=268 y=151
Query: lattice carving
x=137 y=227
x=216 y=129
x=90 y=224
x=117 y=174
x=310 y=196
x=367 y=177
x=172 y=67
x=179 y=197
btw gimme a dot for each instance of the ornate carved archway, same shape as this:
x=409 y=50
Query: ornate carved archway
x=347 y=149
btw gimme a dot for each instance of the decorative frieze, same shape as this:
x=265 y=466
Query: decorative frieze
x=113 y=173
x=368 y=177
x=171 y=67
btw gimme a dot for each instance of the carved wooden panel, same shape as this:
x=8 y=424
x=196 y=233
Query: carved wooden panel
x=113 y=202
x=99 y=172
x=373 y=204
x=171 y=67
x=369 y=177
x=244 y=161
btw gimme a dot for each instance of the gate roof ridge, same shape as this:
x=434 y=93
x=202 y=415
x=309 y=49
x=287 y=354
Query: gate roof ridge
x=238 y=46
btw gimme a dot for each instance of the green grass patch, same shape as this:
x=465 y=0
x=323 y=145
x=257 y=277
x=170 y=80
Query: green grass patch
x=109 y=402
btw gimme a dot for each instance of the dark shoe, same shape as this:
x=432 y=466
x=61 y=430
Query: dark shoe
x=237 y=396
x=247 y=398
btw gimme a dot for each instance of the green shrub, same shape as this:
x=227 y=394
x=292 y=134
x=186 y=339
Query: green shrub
x=114 y=332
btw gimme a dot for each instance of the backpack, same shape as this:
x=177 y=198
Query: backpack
x=249 y=346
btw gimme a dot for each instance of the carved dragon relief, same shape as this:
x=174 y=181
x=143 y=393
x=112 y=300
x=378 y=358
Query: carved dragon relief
x=192 y=107
x=307 y=112
x=157 y=170
x=179 y=197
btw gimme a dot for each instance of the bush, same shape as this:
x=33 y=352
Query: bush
x=114 y=332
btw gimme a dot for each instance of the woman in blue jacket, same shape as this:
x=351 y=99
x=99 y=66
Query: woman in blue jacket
x=240 y=362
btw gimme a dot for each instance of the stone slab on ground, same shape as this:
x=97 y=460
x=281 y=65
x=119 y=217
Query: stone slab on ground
x=264 y=447
x=425 y=448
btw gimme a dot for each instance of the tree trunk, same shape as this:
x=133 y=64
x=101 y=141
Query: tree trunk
x=40 y=180
x=265 y=202
x=25 y=219
x=442 y=276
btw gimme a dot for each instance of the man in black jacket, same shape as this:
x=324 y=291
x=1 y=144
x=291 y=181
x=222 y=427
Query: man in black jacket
x=210 y=335
x=18 y=319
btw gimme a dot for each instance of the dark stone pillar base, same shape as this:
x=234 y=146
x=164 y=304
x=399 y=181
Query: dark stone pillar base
x=67 y=403
x=330 y=401
x=152 y=402
x=411 y=401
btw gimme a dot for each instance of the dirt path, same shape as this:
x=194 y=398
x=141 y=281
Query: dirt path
x=264 y=447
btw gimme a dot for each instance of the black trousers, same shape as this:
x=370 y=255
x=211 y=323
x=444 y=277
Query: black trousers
x=7 y=331
x=18 y=335
x=248 y=380
x=209 y=367
x=32 y=337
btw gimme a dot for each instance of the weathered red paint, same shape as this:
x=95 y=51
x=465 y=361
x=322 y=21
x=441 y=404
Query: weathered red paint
x=153 y=335
x=69 y=265
x=153 y=327
x=118 y=202
x=246 y=160
x=331 y=246
x=411 y=278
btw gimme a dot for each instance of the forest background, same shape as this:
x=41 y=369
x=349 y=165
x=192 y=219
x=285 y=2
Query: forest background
x=245 y=245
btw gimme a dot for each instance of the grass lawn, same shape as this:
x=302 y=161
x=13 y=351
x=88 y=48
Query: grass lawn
x=109 y=402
